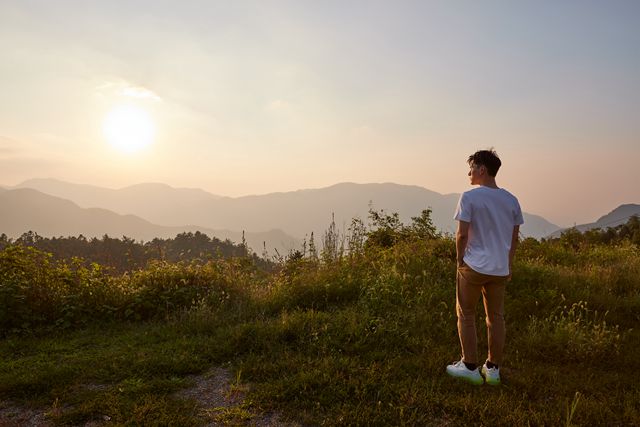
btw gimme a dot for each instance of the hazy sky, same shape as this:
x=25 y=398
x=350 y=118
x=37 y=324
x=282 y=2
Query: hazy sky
x=251 y=97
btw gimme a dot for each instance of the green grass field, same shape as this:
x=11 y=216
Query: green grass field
x=361 y=339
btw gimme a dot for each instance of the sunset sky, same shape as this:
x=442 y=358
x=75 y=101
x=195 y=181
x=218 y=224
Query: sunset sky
x=253 y=97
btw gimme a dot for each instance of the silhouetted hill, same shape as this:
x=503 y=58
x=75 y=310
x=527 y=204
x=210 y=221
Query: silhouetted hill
x=22 y=210
x=619 y=215
x=298 y=213
x=301 y=212
x=155 y=202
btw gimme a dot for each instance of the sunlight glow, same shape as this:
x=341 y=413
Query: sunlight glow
x=128 y=128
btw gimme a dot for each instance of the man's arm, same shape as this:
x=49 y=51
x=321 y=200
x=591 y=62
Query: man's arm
x=462 y=237
x=514 y=245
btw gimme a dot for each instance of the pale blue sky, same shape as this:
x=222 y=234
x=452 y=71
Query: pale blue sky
x=250 y=97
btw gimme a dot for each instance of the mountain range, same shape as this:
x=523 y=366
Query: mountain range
x=56 y=208
x=27 y=209
x=296 y=213
x=616 y=217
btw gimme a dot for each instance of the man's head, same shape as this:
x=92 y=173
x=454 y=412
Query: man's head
x=483 y=167
x=485 y=158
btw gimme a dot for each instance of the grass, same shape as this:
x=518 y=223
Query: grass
x=360 y=341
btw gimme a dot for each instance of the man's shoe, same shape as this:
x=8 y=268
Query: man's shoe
x=491 y=375
x=459 y=370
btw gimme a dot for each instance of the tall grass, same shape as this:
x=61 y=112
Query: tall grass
x=358 y=338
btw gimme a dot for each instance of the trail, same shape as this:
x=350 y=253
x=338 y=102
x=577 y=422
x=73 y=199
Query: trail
x=220 y=402
x=223 y=403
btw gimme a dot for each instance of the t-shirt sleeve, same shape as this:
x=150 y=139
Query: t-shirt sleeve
x=463 y=210
x=517 y=215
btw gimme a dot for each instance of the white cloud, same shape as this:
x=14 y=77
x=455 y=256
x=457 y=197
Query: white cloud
x=139 y=92
x=123 y=88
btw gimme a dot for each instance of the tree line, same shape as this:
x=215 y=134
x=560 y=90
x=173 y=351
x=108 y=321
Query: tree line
x=629 y=231
x=126 y=254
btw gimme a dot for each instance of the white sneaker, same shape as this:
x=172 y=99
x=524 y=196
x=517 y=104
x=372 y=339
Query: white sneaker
x=459 y=370
x=491 y=375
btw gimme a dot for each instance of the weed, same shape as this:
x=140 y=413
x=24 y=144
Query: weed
x=575 y=333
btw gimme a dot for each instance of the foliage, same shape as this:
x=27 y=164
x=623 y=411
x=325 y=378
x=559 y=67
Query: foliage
x=357 y=337
x=38 y=292
x=388 y=230
x=128 y=255
x=629 y=231
x=575 y=332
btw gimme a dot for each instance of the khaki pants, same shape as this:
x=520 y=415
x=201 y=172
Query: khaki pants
x=469 y=286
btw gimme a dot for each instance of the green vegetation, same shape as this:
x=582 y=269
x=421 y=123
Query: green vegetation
x=358 y=334
x=120 y=255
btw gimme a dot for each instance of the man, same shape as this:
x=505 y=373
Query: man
x=489 y=220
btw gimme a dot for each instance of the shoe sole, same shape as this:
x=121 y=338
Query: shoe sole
x=488 y=380
x=467 y=379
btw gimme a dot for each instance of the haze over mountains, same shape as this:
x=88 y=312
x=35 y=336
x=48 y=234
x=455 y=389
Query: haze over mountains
x=26 y=209
x=149 y=200
x=296 y=213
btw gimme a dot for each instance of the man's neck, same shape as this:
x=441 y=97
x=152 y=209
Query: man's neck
x=489 y=182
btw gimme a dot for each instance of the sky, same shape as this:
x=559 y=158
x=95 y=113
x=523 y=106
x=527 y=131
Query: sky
x=253 y=97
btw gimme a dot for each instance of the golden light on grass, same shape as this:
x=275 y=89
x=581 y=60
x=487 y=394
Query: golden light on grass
x=128 y=128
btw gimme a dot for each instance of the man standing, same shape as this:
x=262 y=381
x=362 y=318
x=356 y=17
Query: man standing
x=489 y=220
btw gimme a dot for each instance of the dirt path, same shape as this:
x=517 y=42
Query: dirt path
x=219 y=396
x=221 y=399
x=14 y=416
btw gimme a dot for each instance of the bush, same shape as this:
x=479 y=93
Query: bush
x=36 y=292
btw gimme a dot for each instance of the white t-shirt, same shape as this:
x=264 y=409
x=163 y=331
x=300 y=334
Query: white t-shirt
x=492 y=213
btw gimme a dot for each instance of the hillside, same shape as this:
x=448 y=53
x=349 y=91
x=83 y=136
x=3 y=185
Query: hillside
x=618 y=216
x=297 y=213
x=22 y=210
x=358 y=340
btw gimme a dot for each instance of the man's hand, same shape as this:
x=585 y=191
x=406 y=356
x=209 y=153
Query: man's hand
x=512 y=251
x=462 y=235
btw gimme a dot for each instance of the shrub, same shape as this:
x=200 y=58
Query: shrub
x=36 y=292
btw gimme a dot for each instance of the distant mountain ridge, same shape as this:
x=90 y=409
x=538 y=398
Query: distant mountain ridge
x=25 y=209
x=297 y=213
x=149 y=200
x=618 y=216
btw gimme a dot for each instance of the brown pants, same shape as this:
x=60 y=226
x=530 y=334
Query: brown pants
x=469 y=286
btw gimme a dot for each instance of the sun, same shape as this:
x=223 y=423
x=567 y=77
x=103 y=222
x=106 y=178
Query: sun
x=128 y=128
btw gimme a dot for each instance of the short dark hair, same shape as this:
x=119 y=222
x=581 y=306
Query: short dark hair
x=487 y=158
